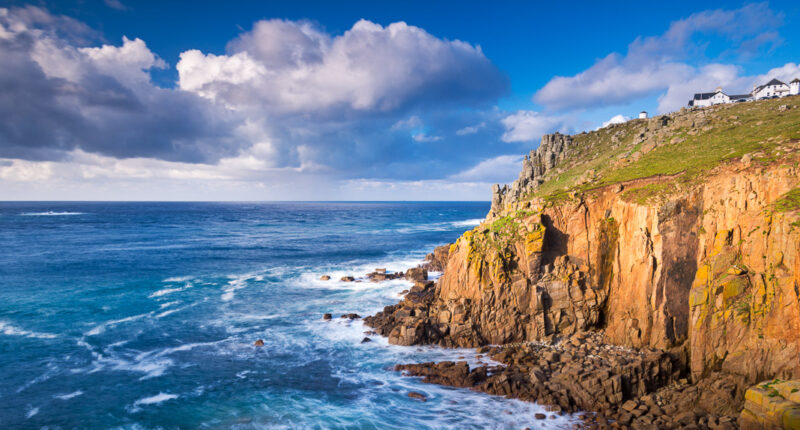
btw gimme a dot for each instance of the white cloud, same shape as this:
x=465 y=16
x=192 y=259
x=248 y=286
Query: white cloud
x=412 y=122
x=472 y=129
x=501 y=169
x=422 y=137
x=616 y=119
x=293 y=67
x=785 y=73
x=526 y=126
x=129 y=63
x=704 y=79
x=658 y=63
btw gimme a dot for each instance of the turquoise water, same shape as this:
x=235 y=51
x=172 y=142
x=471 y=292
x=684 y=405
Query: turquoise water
x=143 y=315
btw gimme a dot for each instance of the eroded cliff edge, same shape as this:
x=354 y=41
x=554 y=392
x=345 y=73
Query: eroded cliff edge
x=680 y=233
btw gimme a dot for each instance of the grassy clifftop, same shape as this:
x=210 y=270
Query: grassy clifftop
x=678 y=148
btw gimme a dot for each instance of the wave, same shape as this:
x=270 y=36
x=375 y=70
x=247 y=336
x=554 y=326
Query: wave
x=152 y=400
x=100 y=328
x=12 y=330
x=237 y=283
x=467 y=223
x=31 y=412
x=51 y=213
x=178 y=279
x=68 y=395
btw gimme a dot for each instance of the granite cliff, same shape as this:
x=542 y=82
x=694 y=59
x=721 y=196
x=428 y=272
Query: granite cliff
x=676 y=235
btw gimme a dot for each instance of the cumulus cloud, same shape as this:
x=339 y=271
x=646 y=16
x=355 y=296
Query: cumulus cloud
x=654 y=64
x=497 y=170
x=616 y=119
x=293 y=67
x=527 y=126
x=58 y=96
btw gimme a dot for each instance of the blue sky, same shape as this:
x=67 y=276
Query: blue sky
x=123 y=100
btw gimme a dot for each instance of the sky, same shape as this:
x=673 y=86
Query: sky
x=294 y=100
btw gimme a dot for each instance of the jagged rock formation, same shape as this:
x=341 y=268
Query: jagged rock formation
x=553 y=149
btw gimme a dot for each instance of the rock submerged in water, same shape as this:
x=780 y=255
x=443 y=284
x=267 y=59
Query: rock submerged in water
x=365 y=340
x=325 y=278
x=327 y=317
x=259 y=342
x=348 y=279
x=351 y=316
x=417 y=395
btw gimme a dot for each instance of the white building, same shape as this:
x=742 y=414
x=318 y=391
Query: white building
x=708 y=99
x=771 y=89
x=794 y=87
x=642 y=115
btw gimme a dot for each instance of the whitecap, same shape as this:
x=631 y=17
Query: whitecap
x=152 y=400
x=100 y=328
x=467 y=223
x=31 y=412
x=168 y=304
x=177 y=279
x=237 y=283
x=68 y=395
x=51 y=213
x=165 y=291
x=12 y=330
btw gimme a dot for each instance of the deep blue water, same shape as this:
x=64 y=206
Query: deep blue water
x=143 y=315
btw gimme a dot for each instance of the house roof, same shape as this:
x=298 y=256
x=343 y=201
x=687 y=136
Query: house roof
x=740 y=96
x=703 y=96
x=795 y=80
x=774 y=82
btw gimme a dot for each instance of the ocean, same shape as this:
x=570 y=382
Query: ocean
x=143 y=316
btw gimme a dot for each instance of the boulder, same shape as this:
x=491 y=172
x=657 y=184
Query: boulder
x=417 y=274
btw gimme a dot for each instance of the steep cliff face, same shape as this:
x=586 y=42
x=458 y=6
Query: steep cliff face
x=612 y=231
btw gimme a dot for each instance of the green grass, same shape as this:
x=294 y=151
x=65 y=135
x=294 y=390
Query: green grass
x=788 y=202
x=727 y=132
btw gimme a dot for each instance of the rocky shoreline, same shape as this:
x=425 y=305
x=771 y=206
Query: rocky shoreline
x=607 y=386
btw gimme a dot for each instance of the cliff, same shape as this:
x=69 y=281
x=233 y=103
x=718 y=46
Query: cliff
x=679 y=232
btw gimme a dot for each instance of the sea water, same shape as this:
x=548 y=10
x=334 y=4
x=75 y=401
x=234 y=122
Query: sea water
x=143 y=315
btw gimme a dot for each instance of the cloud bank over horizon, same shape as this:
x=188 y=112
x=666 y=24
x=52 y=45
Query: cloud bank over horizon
x=292 y=111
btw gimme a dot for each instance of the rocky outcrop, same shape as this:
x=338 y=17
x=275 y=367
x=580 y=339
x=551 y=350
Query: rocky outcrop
x=553 y=149
x=437 y=260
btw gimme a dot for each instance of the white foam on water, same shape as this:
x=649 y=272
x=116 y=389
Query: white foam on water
x=237 y=283
x=100 y=328
x=358 y=270
x=176 y=279
x=12 y=330
x=51 y=213
x=467 y=223
x=68 y=395
x=170 y=290
x=168 y=312
x=168 y=304
x=158 y=398
x=31 y=412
